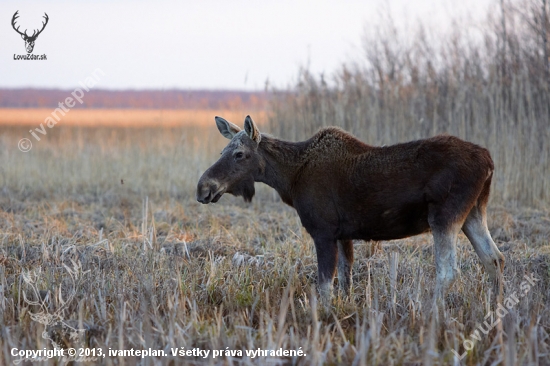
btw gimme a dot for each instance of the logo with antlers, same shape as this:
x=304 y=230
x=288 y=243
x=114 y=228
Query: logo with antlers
x=29 y=40
x=56 y=329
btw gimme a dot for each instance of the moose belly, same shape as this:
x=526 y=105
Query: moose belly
x=385 y=222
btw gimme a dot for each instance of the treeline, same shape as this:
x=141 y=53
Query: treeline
x=490 y=87
x=147 y=99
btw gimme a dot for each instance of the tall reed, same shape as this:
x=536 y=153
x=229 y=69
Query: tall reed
x=492 y=89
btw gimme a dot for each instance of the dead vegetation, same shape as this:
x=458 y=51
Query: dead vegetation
x=157 y=269
x=33 y=117
x=488 y=84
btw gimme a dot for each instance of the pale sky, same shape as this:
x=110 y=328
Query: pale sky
x=219 y=44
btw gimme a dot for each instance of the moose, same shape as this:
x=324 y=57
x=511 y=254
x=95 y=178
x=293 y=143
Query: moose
x=344 y=189
x=29 y=40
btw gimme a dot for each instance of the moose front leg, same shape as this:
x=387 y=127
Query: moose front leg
x=327 y=256
x=345 y=263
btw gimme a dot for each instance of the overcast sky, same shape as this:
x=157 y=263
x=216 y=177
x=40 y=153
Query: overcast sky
x=221 y=44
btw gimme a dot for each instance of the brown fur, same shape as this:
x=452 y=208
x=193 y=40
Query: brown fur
x=344 y=189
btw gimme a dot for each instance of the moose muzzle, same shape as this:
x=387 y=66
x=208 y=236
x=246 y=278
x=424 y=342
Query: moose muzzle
x=209 y=191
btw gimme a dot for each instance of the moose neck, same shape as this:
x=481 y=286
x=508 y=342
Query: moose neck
x=283 y=160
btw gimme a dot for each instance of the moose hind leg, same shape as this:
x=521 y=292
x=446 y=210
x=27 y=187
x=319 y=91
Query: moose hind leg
x=475 y=228
x=453 y=199
x=345 y=263
x=327 y=256
x=446 y=267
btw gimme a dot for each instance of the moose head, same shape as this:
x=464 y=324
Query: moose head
x=239 y=164
x=29 y=40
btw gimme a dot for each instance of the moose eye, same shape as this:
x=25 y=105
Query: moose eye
x=239 y=155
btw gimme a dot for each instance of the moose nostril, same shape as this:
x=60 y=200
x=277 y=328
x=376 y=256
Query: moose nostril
x=206 y=190
x=204 y=195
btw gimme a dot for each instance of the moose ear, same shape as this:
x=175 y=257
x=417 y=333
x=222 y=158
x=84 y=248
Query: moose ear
x=23 y=36
x=251 y=130
x=227 y=129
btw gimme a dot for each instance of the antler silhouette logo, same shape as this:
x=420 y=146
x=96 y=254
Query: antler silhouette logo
x=29 y=40
x=53 y=321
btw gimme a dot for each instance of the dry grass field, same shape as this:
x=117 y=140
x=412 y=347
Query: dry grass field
x=104 y=246
x=33 y=117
